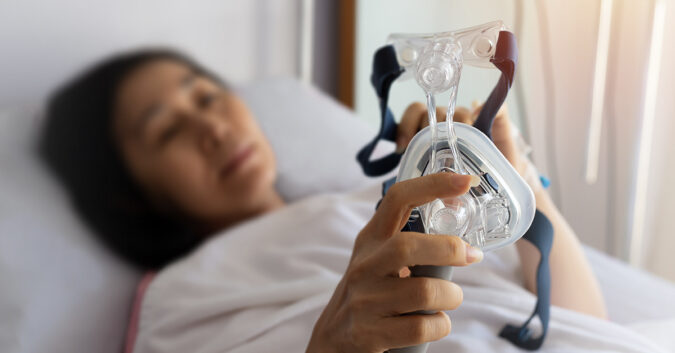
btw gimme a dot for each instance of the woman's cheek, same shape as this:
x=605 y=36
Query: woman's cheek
x=185 y=175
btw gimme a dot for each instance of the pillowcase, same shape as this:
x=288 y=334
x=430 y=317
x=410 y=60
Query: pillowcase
x=61 y=291
x=315 y=138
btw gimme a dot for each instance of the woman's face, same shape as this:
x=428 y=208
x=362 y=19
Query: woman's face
x=192 y=146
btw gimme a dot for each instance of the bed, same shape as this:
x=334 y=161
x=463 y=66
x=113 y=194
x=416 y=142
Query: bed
x=62 y=292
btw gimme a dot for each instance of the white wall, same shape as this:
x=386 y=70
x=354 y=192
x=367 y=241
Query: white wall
x=44 y=42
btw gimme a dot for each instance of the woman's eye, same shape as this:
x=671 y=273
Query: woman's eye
x=208 y=99
x=205 y=100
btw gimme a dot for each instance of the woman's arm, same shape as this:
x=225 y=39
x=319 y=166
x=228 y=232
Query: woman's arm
x=573 y=284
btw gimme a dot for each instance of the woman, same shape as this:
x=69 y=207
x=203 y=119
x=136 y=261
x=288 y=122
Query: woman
x=158 y=154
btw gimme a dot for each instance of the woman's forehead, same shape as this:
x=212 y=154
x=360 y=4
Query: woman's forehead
x=145 y=86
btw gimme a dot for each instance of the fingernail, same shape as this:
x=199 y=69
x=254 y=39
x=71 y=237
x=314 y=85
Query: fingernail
x=473 y=254
x=475 y=181
x=461 y=179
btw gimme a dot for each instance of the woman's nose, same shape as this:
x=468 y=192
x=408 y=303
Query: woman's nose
x=212 y=133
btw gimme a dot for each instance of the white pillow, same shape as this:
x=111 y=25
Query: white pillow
x=314 y=137
x=62 y=292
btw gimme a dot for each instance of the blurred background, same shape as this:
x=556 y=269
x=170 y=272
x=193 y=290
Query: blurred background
x=593 y=93
x=594 y=96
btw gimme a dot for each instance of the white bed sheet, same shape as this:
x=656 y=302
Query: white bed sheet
x=632 y=295
x=260 y=287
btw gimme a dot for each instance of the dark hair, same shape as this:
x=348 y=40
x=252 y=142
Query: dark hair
x=77 y=144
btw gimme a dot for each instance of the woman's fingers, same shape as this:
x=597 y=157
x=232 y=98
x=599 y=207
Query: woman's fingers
x=501 y=127
x=402 y=197
x=414 y=119
x=411 y=330
x=463 y=115
x=441 y=115
x=502 y=136
x=409 y=125
x=410 y=249
x=420 y=293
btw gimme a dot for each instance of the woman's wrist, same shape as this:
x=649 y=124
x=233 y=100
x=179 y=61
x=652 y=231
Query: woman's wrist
x=531 y=176
x=319 y=342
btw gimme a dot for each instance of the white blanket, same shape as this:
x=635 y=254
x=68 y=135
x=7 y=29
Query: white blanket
x=260 y=287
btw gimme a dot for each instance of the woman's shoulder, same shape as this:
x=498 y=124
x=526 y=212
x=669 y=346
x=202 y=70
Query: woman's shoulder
x=287 y=256
x=272 y=246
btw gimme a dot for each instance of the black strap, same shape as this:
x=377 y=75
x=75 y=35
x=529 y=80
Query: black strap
x=540 y=235
x=505 y=59
x=385 y=70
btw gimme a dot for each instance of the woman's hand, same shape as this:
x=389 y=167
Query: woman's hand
x=416 y=118
x=365 y=312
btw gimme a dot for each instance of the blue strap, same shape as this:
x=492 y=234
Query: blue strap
x=540 y=235
x=385 y=187
x=387 y=184
x=385 y=70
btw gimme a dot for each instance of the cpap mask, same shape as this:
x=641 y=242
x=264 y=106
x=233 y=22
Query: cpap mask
x=498 y=211
x=501 y=208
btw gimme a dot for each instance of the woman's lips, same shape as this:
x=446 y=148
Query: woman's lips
x=240 y=158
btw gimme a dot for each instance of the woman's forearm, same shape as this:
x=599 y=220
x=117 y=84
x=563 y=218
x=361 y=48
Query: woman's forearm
x=573 y=284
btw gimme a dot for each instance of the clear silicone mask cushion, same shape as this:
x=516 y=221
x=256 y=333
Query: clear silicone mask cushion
x=499 y=210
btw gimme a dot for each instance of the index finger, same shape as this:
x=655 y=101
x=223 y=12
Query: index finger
x=403 y=196
x=409 y=124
